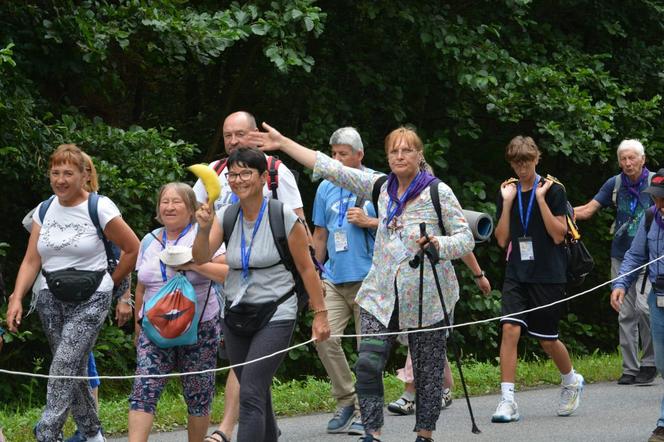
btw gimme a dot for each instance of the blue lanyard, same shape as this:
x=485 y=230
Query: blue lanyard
x=244 y=253
x=343 y=208
x=392 y=212
x=525 y=222
x=163 y=246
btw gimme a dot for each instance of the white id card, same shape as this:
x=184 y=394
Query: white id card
x=660 y=300
x=340 y=241
x=526 y=248
x=397 y=248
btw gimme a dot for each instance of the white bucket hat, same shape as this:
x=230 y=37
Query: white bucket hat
x=175 y=255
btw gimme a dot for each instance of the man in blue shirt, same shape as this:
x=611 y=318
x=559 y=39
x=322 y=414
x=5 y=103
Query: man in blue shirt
x=648 y=245
x=624 y=192
x=344 y=231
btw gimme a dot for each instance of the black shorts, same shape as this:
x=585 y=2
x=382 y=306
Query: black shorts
x=520 y=296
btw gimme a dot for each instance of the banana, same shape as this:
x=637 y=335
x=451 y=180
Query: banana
x=210 y=180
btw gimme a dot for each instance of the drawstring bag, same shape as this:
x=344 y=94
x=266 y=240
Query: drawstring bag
x=170 y=318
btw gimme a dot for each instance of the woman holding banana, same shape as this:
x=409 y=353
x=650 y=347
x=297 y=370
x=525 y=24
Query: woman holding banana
x=258 y=286
x=389 y=297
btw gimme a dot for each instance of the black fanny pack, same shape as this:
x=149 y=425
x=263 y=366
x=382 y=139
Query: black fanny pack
x=71 y=285
x=246 y=319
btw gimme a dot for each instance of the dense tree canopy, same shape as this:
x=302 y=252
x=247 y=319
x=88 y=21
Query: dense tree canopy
x=143 y=86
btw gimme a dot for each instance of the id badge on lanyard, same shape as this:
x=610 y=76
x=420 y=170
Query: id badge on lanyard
x=340 y=241
x=526 y=248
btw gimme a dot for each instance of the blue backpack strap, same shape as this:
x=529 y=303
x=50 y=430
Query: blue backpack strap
x=43 y=208
x=112 y=251
x=147 y=239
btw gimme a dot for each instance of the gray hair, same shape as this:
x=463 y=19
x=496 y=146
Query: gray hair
x=634 y=145
x=347 y=135
x=185 y=192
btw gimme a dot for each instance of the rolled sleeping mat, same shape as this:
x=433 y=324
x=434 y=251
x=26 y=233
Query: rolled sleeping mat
x=481 y=224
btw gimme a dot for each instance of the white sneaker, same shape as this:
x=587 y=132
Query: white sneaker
x=402 y=406
x=507 y=411
x=447 y=398
x=570 y=396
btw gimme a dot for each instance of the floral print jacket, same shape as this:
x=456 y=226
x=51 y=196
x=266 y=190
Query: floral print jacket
x=390 y=276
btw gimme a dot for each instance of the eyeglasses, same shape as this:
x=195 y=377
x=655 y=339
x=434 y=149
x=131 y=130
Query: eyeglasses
x=404 y=151
x=243 y=176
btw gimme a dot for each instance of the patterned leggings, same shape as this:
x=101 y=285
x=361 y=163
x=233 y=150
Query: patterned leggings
x=71 y=330
x=198 y=388
x=428 y=354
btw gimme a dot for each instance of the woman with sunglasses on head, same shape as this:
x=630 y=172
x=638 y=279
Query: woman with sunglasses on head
x=258 y=281
x=389 y=296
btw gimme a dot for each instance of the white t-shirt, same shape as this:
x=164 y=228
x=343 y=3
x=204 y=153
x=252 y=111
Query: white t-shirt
x=68 y=238
x=287 y=192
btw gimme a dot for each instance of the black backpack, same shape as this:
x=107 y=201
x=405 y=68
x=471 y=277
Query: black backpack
x=275 y=212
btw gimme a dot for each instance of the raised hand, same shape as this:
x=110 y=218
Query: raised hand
x=508 y=190
x=269 y=140
x=544 y=187
x=204 y=217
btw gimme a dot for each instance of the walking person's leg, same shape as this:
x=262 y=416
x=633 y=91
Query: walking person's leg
x=199 y=389
x=657 y=330
x=628 y=330
x=369 y=368
x=333 y=358
x=647 y=369
x=145 y=394
x=257 y=421
x=72 y=330
x=428 y=351
x=543 y=325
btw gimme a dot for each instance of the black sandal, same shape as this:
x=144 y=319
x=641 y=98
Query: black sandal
x=211 y=438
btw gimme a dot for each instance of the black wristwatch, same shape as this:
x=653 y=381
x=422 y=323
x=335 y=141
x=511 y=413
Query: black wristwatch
x=481 y=275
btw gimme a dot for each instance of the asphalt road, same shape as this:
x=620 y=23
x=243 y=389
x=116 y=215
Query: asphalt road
x=608 y=412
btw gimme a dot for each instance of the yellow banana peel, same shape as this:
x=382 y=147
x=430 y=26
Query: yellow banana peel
x=210 y=180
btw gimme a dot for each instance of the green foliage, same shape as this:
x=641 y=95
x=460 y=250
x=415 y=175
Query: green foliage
x=144 y=85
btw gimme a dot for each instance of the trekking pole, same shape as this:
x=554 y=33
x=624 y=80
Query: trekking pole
x=432 y=253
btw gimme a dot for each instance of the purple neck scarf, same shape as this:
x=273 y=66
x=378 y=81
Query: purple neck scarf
x=419 y=183
x=658 y=218
x=634 y=187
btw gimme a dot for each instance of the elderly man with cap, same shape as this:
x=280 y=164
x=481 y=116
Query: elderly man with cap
x=647 y=246
x=625 y=192
x=344 y=231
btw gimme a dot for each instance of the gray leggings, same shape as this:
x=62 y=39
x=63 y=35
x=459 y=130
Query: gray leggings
x=257 y=420
x=427 y=349
x=71 y=330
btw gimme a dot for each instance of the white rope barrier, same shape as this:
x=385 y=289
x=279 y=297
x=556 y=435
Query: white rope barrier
x=286 y=350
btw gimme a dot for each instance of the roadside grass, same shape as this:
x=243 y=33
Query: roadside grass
x=313 y=395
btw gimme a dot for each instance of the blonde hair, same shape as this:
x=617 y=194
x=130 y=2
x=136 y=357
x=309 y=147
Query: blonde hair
x=67 y=153
x=410 y=137
x=92 y=185
x=185 y=192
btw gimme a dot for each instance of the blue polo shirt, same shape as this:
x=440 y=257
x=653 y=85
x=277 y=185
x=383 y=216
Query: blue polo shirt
x=351 y=265
x=624 y=234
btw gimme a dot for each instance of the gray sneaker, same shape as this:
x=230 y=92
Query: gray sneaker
x=342 y=420
x=356 y=428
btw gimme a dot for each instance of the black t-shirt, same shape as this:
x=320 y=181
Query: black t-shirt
x=550 y=263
